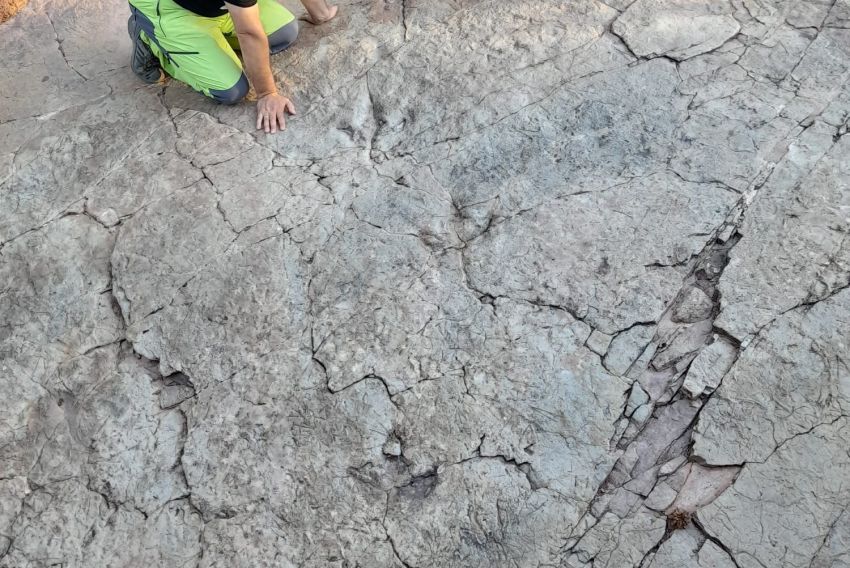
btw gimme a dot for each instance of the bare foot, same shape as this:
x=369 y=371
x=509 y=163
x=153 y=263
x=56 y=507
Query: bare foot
x=320 y=18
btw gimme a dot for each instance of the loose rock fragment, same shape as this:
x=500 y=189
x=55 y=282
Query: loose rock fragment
x=695 y=306
x=709 y=367
x=679 y=29
x=598 y=342
x=702 y=486
x=637 y=398
x=626 y=347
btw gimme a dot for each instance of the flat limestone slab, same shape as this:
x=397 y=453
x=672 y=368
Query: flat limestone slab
x=528 y=283
x=679 y=29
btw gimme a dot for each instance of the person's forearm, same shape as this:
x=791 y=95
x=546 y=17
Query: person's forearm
x=255 y=52
x=318 y=9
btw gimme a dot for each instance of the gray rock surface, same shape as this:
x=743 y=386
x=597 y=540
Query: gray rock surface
x=529 y=283
x=690 y=548
x=709 y=367
x=696 y=306
x=679 y=29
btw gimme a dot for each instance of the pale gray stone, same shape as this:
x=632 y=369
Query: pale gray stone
x=13 y=492
x=690 y=548
x=642 y=483
x=599 y=342
x=150 y=270
x=444 y=318
x=712 y=556
x=519 y=173
x=423 y=301
x=151 y=170
x=501 y=415
x=466 y=44
x=671 y=466
x=428 y=519
x=175 y=389
x=265 y=539
x=763 y=58
x=694 y=306
x=234 y=455
x=679 y=29
x=65 y=520
x=637 y=398
x=661 y=497
x=626 y=347
x=794 y=249
x=663 y=430
x=44 y=58
x=642 y=414
x=616 y=542
x=61 y=158
x=796 y=363
x=392 y=447
x=835 y=550
x=709 y=367
x=55 y=307
x=791 y=464
x=679 y=346
x=702 y=486
x=623 y=503
x=798 y=495
x=680 y=549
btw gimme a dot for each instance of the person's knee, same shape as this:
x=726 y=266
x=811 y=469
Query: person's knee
x=283 y=37
x=232 y=95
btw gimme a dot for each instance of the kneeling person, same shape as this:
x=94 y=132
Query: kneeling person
x=194 y=41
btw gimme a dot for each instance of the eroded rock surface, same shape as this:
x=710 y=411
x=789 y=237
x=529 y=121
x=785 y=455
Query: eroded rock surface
x=529 y=283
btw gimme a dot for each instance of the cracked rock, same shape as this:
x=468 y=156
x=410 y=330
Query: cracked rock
x=626 y=347
x=599 y=342
x=797 y=495
x=471 y=309
x=429 y=519
x=690 y=548
x=695 y=306
x=709 y=367
x=797 y=363
x=616 y=542
x=679 y=29
x=798 y=206
x=637 y=398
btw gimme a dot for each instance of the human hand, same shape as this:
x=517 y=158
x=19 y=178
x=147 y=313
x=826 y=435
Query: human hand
x=271 y=111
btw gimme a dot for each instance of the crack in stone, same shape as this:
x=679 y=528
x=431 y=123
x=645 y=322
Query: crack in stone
x=60 y=48
x=716 y=541
x=706 y=271
x=404 y=18
x=676 y=366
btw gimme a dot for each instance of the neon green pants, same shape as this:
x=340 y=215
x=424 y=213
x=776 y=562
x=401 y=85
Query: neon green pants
x=199 y=51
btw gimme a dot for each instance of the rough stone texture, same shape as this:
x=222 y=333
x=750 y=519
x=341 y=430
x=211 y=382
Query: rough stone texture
x=798 y=251
x=696 y=306
x=799 y=361
x=709 y=367
x=679 y=29
x=798 y=495
x=529 y=283
x=690 y=548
